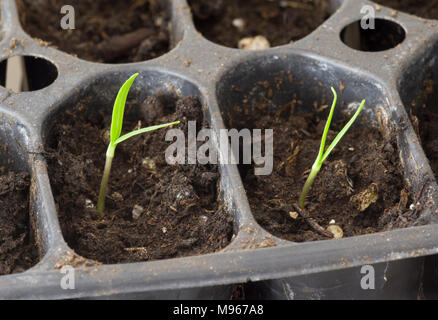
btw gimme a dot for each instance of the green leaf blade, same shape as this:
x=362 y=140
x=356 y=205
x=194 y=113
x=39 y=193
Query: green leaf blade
x=119 y=109
x=342 y=132
x=327 y=125
x=143 y=130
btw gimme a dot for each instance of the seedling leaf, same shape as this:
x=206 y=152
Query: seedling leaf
x=327 y=124
x=119 y=109
x=322 y=155
x=115 y=139
x=342 y=132
x=143 y=130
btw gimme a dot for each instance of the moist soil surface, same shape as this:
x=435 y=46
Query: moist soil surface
x=17 y=253
x=429 y=137
x=153 y=210
x=279 y=21
x=360 y=185
x=425 y=122
x=105 y=30
x=427 y=9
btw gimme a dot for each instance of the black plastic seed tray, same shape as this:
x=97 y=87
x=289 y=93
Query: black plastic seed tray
x=389 y=79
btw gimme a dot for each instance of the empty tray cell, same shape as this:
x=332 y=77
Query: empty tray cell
x=427 y=9
x=418 y=90
x=227 y=22
x=101 y=31
x=361 y=186
x=154 y=209
x=18 y=251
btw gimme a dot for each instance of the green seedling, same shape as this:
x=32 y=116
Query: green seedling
x=322 y=155
x=115 y=138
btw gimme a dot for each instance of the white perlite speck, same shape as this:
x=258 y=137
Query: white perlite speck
x=137 y=211
x=254 y=43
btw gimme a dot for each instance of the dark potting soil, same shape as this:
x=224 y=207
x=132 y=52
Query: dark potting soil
x=425 y=120
x=105 y=30
x=360 y=186
x=17 y=253
x=427 y=9
x=238 y=292
x=279 y=21
x=429 y=138
x=178 y=206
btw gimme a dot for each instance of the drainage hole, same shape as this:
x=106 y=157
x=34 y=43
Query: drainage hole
x=26 y=73
x=373 y=37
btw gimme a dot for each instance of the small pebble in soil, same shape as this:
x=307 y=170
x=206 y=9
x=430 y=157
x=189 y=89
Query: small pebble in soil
x=336 y=231
x=117 y=196
x=89 y=204
x=149 y=163
x=137 y=211
x=293 y=214
x=239 y=23
x=254 y=43
x=203 y=219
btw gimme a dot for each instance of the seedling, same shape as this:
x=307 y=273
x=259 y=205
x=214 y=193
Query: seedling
x=322 y=155
x=115 y=138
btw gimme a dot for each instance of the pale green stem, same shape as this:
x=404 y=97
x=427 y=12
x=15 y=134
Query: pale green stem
x=315 y=169
x=105 y=178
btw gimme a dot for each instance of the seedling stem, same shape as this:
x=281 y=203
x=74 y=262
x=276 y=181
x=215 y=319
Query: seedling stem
x=323 y=155
x=115 y=138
